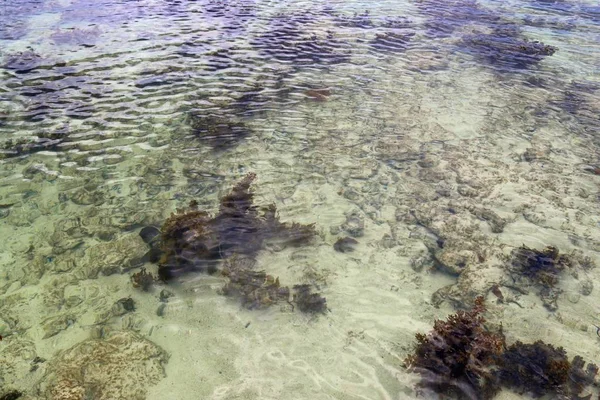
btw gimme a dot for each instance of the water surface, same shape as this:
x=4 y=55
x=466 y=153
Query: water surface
x=441 y=136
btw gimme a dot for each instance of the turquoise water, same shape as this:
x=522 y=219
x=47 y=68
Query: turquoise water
x=435 y=139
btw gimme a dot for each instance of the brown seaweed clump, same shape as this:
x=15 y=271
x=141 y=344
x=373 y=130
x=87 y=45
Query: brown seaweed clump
x=142 y=280
x=257 y=289
x=307 y=300
x=461 y=359
x=457 y=357
x=541 y=369
x=541 y=269
x=193 y=240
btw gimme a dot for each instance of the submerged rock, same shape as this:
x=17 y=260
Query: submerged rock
x=11 y=395
x=345 y=245
x=24 y=61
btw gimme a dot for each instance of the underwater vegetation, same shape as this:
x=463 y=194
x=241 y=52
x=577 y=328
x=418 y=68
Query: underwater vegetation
x=390 y=42
x=257 y=289
x=504 y=49
x=307 y=301
x=461 y=359
x=191 y=240
x=542 y=269
x=457 y=356
x=142 y=280
x=219 y=132
x=541 y=369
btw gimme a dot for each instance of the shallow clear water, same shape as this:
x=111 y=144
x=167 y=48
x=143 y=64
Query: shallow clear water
x=440 y=136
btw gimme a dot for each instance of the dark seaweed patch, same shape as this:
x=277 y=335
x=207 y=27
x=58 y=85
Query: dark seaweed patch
x=362 y=20
x=541 y=369
x=542 y=269
x=506 y=51
x=391 y=41
x=192 y=240
x=461 y=359
x=456 y=358
x=218 y=131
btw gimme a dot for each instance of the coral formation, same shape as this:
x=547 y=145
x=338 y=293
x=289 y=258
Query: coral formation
x=119 y=367
x=192 y=240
